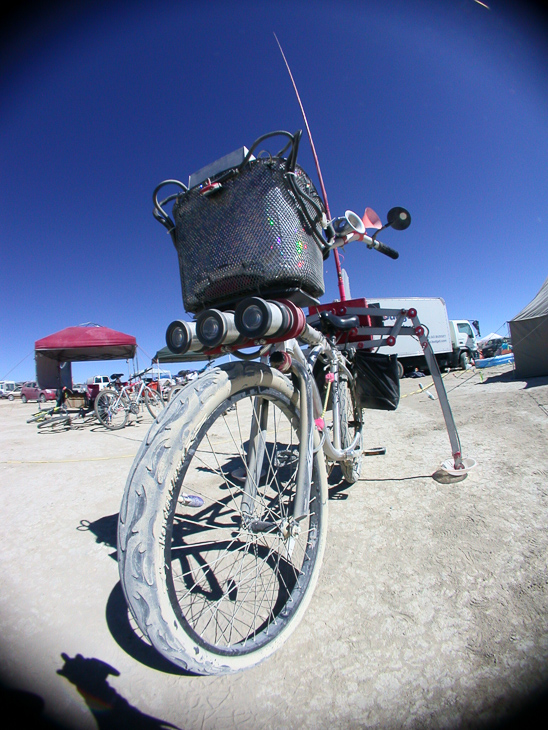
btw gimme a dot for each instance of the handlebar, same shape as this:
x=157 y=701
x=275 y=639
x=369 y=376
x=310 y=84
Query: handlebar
x=381 y=247
x=140 y=374
x=350 y=227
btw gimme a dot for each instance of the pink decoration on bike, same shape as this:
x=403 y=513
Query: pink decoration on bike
x=320 y=424
x=371 y=219
x=329 y=377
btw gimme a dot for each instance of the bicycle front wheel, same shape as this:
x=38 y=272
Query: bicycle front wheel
x=112 y=408
x=213 y=569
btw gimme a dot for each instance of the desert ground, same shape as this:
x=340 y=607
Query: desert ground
x=432 y=605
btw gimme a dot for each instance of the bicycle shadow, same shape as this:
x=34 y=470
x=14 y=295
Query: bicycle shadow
x=337 y=486
x=110 y=710
x=105 y=531
x=127 y=635
x=511 y=377
x=122 y=628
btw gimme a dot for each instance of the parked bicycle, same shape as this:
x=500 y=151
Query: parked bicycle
x=223 y=522
x=182 y=380
x=65 y=420
x=114 y=405
x=47 y=413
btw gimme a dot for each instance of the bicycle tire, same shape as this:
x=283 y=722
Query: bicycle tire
x=351 y=420
x=154 y=402
x=174 y=392
x=55 y=423
x=111 y=409
x=188 y=594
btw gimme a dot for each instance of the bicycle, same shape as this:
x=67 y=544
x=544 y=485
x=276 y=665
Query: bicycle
x=58 y=418
x=59 y=410
x=114 y=405
x=47 y=414
x=66 y=421
x=222 y=526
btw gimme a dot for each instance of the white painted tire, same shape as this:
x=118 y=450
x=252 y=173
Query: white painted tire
x=185 y=549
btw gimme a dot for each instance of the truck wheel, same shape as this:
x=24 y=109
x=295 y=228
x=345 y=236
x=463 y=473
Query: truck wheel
x=464 y=360
x=23 y=399
x=401 y=370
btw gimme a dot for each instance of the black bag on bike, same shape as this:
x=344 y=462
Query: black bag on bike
x=376 y=380
x=258 y=233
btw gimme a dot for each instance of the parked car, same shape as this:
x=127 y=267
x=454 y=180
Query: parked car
x=32 y=391
x=8 y=389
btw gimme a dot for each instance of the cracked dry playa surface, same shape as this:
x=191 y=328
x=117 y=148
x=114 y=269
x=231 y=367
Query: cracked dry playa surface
x=431 y=609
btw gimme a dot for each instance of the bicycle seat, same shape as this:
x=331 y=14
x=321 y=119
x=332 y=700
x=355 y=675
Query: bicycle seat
x=116 y=376
x=330 y=322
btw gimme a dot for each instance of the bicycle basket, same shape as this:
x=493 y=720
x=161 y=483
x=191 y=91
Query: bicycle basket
x=258 y=232
x=377 y=381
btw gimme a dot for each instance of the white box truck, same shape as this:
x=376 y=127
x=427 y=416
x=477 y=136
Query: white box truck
x=452 y=340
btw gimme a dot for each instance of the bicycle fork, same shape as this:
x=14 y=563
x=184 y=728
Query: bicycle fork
x=254 y=460
x=257 y=452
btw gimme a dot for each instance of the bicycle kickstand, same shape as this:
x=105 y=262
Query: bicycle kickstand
x=460 y=466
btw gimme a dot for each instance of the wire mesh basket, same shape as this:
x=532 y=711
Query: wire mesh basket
x=255 y=229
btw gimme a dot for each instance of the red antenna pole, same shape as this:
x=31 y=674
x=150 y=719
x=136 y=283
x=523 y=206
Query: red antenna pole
x=320 y=177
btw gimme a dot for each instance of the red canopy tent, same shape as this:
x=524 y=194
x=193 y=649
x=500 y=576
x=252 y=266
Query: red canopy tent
x=86 y=343
x=78 y=344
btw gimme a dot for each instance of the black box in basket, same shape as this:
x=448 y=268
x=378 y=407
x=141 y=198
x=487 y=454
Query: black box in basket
x=258 y=233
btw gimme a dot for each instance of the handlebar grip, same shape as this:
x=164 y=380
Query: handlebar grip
x=386 y=250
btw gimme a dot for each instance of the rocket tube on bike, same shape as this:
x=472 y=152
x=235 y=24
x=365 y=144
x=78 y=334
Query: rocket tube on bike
x=181 y=337
x=214 y=328
x=256 y=318
x=269 y=321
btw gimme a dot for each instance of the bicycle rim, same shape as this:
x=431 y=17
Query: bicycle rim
x=234 y=587
x=111 y=409
x=154 y=402
x=55 y=423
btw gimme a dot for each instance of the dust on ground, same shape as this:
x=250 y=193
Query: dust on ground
x=431 y=609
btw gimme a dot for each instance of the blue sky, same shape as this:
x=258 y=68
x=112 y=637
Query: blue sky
x=441 y=107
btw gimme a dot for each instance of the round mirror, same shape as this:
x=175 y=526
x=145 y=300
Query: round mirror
x=399 y=218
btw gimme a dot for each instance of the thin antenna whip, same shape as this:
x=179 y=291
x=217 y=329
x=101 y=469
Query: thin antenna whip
x=324 y=194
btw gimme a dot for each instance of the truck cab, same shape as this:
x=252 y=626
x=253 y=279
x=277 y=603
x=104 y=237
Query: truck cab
x=464 y=342
x=102 y=381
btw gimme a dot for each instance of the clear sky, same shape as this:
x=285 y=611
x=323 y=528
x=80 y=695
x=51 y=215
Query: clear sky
x=437 y=105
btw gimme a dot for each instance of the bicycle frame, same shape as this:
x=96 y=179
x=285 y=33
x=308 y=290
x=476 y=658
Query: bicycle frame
x=312 y=409
x=312 y=425
x=130 y=394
